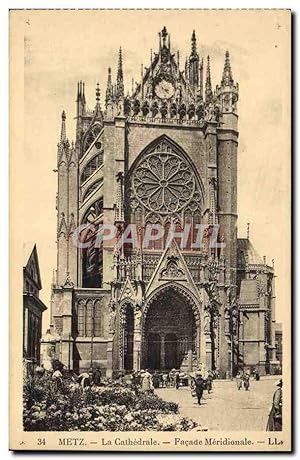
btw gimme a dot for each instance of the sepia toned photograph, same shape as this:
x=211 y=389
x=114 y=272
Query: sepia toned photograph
x=150 y=230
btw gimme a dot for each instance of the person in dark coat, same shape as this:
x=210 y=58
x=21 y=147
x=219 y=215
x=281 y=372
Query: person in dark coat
x=96 y=377
x=199 y=386
x=275 y=416
x=156 y=379
x=177 y=380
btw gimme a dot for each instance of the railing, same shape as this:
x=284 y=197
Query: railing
x=166 y=121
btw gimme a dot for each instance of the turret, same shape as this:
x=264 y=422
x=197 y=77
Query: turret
x=227 y=94
x=66 y=205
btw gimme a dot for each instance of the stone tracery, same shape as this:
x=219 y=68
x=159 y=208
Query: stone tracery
x=163 y=182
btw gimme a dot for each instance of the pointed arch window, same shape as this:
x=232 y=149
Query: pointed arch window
x=92 y=254
x=90 y=318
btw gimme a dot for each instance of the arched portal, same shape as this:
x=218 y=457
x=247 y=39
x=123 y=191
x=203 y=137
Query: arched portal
x=170 y=332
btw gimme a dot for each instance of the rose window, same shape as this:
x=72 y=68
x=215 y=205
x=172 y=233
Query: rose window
x=163 y=182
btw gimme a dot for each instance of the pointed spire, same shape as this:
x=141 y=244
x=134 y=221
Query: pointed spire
x=109 y=88
x=164 y=35
x=194 y=45
x=97 y=94
x=208 y=88
x=201 y=79
x=120 y=83
x=98 y=106
x=227 y=79
x=63 y=135
x=248 y=230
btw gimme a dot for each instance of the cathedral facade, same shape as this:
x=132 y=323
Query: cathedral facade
x=158 y=161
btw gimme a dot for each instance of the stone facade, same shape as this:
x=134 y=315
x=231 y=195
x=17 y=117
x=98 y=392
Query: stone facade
x=166 y=155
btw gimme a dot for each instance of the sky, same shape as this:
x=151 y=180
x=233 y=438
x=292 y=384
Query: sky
x=63 y=47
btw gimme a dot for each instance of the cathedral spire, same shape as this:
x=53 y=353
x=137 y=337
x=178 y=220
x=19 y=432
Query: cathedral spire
x=208 y=88
x=227 y=79
x=194 y=44
x=120 y=82
x=63 y=135
x=194 y=65
x=109 y=88
x=98 y=106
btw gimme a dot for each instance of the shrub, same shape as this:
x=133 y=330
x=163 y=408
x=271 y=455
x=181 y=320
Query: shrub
x=67 y=407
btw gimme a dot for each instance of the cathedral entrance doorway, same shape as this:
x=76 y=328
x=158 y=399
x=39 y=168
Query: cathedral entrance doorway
x=170 y=333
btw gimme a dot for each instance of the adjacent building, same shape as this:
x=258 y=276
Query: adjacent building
x=33 y=307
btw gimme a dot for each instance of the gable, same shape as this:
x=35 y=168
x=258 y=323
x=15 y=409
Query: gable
x=32 y=264
x=172 y=268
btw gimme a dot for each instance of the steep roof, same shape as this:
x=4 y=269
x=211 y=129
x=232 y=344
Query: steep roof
x=30 y=257
x=245 y=248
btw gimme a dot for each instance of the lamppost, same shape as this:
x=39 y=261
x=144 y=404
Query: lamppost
x=232 y=311
x=92 y=340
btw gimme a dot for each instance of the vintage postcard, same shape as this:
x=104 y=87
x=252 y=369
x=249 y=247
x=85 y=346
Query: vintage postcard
x=150 y=215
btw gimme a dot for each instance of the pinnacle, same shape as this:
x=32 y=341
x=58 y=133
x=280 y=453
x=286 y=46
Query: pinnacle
x=227 y=79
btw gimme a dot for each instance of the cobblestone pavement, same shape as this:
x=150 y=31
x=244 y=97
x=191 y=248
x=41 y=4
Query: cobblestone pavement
x=226 y=408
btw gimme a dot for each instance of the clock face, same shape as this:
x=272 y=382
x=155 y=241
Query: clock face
x=164 y=89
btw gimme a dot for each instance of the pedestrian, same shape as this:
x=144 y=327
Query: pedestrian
x=156 y=379
x=97 y=376
x=209 y=382
x=239 y=380
x=275 y=417
x=199 y=384
x=146 y=381
x=177 y=380
x=165 y=380
x=246 y=380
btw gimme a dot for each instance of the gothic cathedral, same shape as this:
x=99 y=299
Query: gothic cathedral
x=161 y=157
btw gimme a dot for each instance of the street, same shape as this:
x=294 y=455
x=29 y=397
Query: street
x=226 y=408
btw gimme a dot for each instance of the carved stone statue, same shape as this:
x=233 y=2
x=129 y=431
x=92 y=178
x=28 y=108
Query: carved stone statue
x=206 y=322
x=112 y=316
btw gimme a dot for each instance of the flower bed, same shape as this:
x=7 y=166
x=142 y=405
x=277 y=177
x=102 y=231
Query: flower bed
x=67 y=407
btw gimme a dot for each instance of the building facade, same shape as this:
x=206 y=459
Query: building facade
x=278 y=342
x=162 y=157
x=33 y=307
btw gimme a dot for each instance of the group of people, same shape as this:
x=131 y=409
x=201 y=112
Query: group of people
x=148 y=381
x=243 y=380
x=274 y=422
x=85 y=379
